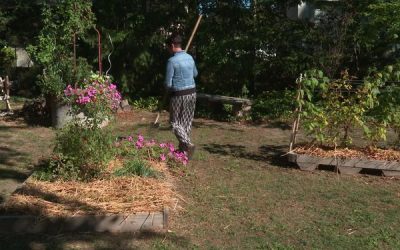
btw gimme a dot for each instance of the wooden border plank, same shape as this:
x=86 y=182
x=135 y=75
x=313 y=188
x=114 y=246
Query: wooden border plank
x=348 y=170
x=86 y=223
x=345 y=166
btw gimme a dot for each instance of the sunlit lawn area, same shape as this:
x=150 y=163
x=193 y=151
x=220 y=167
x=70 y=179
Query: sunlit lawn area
x=239 y=193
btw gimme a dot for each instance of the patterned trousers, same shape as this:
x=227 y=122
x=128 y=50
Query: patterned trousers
x=181 y=117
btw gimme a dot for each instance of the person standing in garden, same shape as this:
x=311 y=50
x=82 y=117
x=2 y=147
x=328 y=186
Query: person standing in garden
x=181 y=86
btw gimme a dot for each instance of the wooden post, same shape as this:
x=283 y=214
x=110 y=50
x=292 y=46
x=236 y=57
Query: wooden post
x=7 y=93
x=74 y=44
x=99 y=51
x=297 y=111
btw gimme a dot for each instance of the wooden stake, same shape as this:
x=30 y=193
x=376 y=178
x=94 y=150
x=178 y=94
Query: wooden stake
x=7 y=93
x=296 y=122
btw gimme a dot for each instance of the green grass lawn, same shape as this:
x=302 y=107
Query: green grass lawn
x=241 y=193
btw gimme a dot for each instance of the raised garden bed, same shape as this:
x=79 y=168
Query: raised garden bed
x=348 y=161
x=334 y=112
x=115 y=204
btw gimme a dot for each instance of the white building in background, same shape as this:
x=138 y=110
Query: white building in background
x=307 y=11
x=23 y=59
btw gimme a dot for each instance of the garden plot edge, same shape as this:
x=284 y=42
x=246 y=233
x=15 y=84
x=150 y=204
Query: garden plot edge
x=345 y=166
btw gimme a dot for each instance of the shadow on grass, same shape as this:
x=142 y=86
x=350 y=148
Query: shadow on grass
x=202 y=124
x=13 y=174
x=276 y=155
x=30 y=117
x=100 y=241
x=11 y=128
x=8 y=155
x=166 y=126
x=271 y=154
x=278 y=124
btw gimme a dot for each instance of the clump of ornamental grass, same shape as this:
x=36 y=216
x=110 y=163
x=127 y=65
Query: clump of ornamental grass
x=136 y=167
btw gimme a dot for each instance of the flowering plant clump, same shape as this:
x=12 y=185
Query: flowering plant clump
x=152 y=150
x=83 y=148
x=97 y=98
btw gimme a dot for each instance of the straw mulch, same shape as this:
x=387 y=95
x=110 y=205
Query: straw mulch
x=115 y=195
x=362 y=153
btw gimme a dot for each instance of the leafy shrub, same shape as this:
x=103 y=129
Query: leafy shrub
x=219 y=112
x=53 y=50
x=87 y=149
x=274 y=105
x=332 y=109
x=386 y=114
x=7 y=60
x=59 y=167
x=149 y=103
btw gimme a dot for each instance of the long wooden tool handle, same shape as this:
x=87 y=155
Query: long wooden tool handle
x=186 y=48
x=193 y=32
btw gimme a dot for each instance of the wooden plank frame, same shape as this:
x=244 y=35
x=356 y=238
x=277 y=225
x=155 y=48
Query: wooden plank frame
x=112 y=223
x=345 y=166
x=155 y=221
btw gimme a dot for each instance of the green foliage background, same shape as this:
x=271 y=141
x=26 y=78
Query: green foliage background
x=241 y=44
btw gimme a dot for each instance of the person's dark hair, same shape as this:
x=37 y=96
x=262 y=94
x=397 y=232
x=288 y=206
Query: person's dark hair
x=174 y=39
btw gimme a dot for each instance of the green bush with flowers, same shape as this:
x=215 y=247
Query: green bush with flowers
x=82 y=145
x=84 y=149
x=97 y=98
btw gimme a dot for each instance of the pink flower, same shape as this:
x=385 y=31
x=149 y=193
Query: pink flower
x=130 y=138
x=178 y=155
x=171 y=147
x=83 y=100
x=139 y=144
x=69 y=91
x=162 y=145
x=163 y=157
x=140 y=138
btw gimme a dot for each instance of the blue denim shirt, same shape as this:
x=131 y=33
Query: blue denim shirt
x=181 y=71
